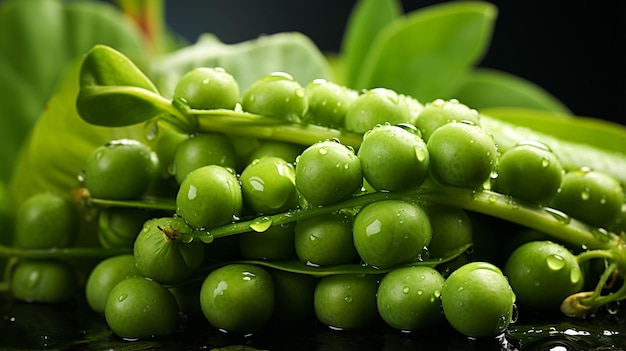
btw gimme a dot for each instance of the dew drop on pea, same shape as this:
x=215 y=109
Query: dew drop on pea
x=560 y=216
x=192 y=193
x=348 y=299
x=323 y=150
x=420 y=154
x=555 y=262
x=406 y=290
x=122 y=297
x=575 y=276
x=545 y=162
x=585 y=194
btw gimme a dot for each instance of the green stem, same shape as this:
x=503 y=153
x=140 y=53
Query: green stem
x=544 y=219
x=62 y=253
x=257 y=126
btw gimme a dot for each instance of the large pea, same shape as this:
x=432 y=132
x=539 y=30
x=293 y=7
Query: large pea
x=327 y=172
x=203 y=150
x=461 y=155
x=391 y=232
x=328 y=103
x=393 y=158
x=269 y=185
x=439 y=112
x=477 y=300
x=591 y=196
x=208 y=88
x=325 y=239
x=380 y=106
x=276 y=95
x=209 y=196
x=105 y=276
x=48 y=281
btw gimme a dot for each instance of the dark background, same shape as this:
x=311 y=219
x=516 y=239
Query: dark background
x=573 y=49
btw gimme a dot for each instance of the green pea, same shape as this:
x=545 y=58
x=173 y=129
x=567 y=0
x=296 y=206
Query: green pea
x=268 y=186
x=139 y=308
x=162 y=253
x=276 y=95
x=120 y=170
x=529 y=171
x=391 y=232
x=346 y=301
x=543 y=274
x=45 y=220
x=477 y=300
x=209 y=196
x=439 y=112
x=276 y=243
x=47 y=281
x=327 y=172
x=590 y=196
x=451 y=229
x=104 y=276
x=203 y=150
x=118 y=227
x=380 y=106
x=408 y=298
x=461 y=155
x=208 y=88
x=393 y=158
x=238 y=298
x=325 y=239
x=328 y=103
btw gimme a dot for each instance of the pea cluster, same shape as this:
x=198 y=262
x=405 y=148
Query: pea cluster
x=243 y=283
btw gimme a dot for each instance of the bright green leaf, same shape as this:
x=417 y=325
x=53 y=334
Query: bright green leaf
x=366 y=19
x=491 y=88
x=427 y=53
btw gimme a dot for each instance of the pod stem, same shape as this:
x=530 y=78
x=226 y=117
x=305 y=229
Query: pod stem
x=62 y=253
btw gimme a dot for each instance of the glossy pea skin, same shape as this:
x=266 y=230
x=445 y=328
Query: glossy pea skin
x=162 y=255
x=139 y=308
x=325 y=239
x=543 y=274
x=461 y=155
x=238 y=298
x=287 y=151
x=274 y=244
x=120 y=170
x=45 y=220
x=104 y=276
x=118 y=227
x=268 y=186
x=439 y=112
x=328 y=172
x=391 y=232
x=590 y=196
x=393 y=158
x=408 y=298
x=209 y=196
x=208 y=88
x=328 y=103
x=380 y=106
x=451 y=229
x=276 y=95
x=47 y=281
x=477 y=300
x=529 y=171
x=346 y=301
x=203 y=150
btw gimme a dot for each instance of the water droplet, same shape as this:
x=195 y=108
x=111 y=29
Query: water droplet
x=348 y=299
x=560 y=216
x=545 y=162
x=585 y=194
x=122 y=297
x=613 y=307
x=261 y=224
x=514 y=314
x=492 y=199
x=420 y=292
x=575 y=276
x=406 y=290
x=601 y=234
x=420 y=153
x=192 y=193
x=323 y=150
x=151 y=129
x=555 y=262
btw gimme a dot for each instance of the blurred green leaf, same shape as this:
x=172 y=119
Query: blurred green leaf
x=491 y=88
x=428 y=52
x=247 y=61
x=37 y=39
x=366 y=19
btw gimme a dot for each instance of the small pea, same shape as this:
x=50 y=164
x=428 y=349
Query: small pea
x=208 y=88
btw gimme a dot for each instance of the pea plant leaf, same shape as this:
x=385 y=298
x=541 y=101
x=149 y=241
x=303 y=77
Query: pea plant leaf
x=367 y=19
x=247 y=61
x=428 y=52
x=37 y=39
x=486 y=88
x=114 y=91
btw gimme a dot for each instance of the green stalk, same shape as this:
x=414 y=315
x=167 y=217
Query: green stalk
x=62 y=253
